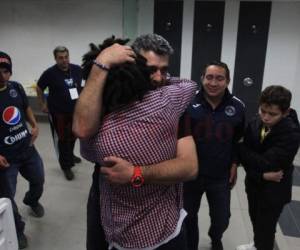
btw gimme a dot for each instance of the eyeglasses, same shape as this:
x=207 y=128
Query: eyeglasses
x=163 y=70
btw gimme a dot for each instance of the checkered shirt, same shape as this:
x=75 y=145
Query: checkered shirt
x=144 y=133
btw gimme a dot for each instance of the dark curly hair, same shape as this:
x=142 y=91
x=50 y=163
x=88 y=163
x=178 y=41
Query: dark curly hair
x=125 y=83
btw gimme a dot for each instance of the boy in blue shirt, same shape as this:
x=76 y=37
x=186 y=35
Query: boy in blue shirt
x=271 y=141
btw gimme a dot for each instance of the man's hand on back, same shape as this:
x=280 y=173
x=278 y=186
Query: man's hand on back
x=119 y=172
x=116 y=54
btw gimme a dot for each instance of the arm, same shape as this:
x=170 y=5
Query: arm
x=182 y=168
x=233 y=175
x=32 y=121
x=90 y=99
x=3 y=162
x=273 y=176
x=41 y=99
x=279 y=156
x=238 y=134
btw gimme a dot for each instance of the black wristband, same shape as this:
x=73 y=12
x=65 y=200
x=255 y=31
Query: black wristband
x=101 y=66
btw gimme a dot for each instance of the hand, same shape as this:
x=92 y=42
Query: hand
x=34 y=134
x=45 y=108
x=119 y=173
x=273 y=176
x=116 y=54
x=233 y=175
x=3 y=162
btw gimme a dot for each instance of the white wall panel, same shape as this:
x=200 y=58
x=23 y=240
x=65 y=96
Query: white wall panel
x=29 y=32
x=283 y=52
x=230 y=28
x=187 y=38
x=145 y=16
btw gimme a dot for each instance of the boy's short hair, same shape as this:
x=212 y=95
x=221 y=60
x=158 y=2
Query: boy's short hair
x=276 y=95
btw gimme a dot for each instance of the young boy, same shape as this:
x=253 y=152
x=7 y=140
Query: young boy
x=270 y=144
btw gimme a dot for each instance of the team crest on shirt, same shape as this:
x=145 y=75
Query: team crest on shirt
x=69 y=82
x=11 y=115
x=197 y=105
x=230 y=110
x=13 y=93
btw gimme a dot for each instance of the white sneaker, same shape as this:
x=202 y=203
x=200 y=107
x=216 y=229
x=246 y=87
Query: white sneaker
x=246 y=247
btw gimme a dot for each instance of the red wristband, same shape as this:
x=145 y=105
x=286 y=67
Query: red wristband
x=137 y=179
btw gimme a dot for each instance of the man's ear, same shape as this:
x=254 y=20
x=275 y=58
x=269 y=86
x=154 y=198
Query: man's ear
x=287 y=112
x=201 y=78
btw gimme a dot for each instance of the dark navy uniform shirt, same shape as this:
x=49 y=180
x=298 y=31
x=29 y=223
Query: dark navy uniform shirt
x=14 y=134
x=59 y=83
x=215 y=132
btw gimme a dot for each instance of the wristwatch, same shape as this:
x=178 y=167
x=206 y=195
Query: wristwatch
x=137 y=180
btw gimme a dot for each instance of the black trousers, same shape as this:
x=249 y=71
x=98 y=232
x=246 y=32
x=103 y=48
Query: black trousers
x=264 y=218
x=218 y=197
x=63 y=138
x=95 y=237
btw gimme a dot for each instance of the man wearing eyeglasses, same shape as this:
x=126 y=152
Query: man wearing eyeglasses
x=215 y=119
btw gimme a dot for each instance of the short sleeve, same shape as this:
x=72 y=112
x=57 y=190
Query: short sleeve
x=184 y=127
x=180 y=93
x=23 y=95
x=43 y=81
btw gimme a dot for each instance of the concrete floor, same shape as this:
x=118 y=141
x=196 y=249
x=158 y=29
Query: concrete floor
x=64 y=225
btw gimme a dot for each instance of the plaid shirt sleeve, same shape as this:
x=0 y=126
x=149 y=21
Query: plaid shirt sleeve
x=180 y=93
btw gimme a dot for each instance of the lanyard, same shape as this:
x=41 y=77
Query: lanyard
x=69 y=81
x=264 y=132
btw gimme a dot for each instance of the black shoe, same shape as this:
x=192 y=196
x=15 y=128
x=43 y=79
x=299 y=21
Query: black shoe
x=38 y=210
x=216 y=245
x=69 y=174
x=22 y=241
x=76 y=159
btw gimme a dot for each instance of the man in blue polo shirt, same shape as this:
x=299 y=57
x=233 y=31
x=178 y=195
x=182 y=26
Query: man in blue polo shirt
x=17 y=152
x=215 y=119
x=64 y=83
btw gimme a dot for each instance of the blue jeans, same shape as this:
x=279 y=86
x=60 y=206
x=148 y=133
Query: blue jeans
x=30 y=166
x=218 y=197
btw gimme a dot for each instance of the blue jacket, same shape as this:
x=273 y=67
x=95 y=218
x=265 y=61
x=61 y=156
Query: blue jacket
x=215 y=131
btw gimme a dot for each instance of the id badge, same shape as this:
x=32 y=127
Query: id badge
x=73 y=93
